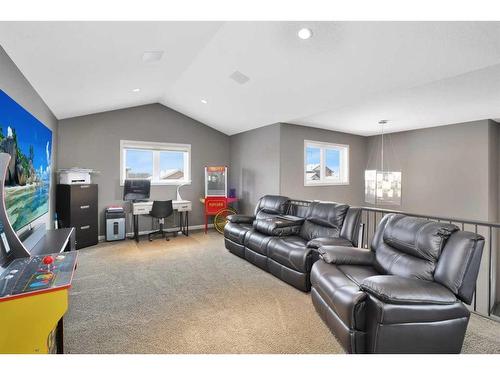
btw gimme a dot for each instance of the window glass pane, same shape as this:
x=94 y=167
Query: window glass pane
x=139 y=163
x=313 y=157
x=332 y=164
x=172 y=165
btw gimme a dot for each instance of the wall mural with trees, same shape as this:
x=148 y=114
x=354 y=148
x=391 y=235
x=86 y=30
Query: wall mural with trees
x=29 y=144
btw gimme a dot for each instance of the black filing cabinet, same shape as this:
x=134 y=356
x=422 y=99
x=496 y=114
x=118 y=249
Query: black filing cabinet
x=76 y=206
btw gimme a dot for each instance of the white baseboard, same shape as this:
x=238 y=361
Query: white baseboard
x=170 y=230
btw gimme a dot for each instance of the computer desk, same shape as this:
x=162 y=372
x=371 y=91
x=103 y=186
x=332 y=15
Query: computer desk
x=144 y=208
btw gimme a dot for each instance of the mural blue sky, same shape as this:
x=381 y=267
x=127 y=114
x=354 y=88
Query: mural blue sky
x=29 y=131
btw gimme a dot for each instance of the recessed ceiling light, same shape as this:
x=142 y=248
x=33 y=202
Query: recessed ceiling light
x=152 y=56
x=305 y=33
x=204 y=101
x=136 y=90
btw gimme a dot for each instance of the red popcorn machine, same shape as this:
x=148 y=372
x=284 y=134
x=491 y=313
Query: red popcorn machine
x=216 y=200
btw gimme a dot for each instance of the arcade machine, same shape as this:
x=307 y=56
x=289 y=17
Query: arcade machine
x=216 y=199
x=33 y=290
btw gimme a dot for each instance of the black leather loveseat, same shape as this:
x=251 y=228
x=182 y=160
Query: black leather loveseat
x=405 y=294
x=269 y=206
x=284 y=245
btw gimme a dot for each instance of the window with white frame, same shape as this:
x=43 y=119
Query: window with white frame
x=162 y=163
x=325 y=163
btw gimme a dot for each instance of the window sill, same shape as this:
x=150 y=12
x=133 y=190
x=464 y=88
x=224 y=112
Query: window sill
x=309 y=184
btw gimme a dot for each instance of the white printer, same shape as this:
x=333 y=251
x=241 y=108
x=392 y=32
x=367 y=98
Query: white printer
x=75 y=176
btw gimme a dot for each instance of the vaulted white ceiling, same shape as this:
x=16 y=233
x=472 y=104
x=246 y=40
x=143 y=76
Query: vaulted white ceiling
x=346 y=77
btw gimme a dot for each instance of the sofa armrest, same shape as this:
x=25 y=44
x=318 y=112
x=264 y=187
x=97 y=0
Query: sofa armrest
x=346 y=255
x=241 y=219
x=316 y=243
x=405 y=291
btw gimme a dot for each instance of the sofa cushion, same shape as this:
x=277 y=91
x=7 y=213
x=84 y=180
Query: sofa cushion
x=409 y=246
x=257 y=241
x=392 y=262
x=459 y=263
x=341 y=291
x=357 y=273
x=351 y=225
x=403 y=290
x=271 y=205
x=310 y=230
x=291 y=252
x=327 y=214
x=323 y=220
x=418 y=237
x=236 y=232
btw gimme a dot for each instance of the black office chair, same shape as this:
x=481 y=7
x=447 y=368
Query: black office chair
x=161 y=210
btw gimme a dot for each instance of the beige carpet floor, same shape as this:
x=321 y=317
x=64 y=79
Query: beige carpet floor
x=190 y=295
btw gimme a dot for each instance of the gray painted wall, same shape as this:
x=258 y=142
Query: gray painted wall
x=292 y=165
x=444 y=169
x=13 y=82
x=440 y=174
x=93 y=141
x=255 y=165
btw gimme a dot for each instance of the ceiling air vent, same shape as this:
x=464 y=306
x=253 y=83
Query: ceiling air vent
x=152 y=56
x=239 y=77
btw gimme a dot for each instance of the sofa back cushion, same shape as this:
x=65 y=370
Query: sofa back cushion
x=297 y=209
x=351 y=225
x=418 y=237
x=271 y=205
x=458 y=266
x=408 y=246
x=323 y=220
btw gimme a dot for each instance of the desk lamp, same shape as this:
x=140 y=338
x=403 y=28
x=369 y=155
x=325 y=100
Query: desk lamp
x=179 y=198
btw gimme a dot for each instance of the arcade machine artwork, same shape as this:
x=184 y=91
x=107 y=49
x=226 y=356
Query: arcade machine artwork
x=33 y=289
x=216 y=199
x=33 y=299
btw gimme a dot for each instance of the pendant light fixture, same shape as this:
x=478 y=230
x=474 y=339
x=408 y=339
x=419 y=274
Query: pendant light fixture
x=382 y=186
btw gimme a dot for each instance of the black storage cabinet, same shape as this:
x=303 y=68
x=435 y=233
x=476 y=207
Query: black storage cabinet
x=76 y=206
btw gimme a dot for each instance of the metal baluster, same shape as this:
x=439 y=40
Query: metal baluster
x=374 y=224
x=367 y=229
x=361 y=242
x=475 y=285
x=489 y=270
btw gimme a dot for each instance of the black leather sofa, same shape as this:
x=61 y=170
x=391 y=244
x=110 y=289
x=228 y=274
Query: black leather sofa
x=269 y=206
x=288 y=251
x=406 y=294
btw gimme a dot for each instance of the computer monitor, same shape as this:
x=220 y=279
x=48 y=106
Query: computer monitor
x=136 y=190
